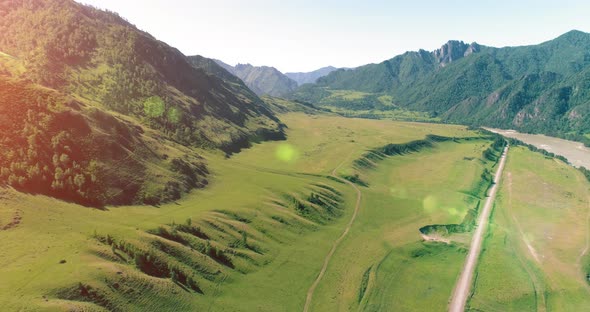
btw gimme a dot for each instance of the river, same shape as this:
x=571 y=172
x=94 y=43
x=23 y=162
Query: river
x=575 y=152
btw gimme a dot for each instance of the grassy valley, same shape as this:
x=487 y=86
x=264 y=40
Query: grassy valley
x=538 y=239
x=136 y=178
x=406 y=193
x=259 y=215
x=268 y=217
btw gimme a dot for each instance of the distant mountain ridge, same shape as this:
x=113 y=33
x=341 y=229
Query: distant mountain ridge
x=266 y=80
x=537 y=88
x=310 y=77
x=263 y=80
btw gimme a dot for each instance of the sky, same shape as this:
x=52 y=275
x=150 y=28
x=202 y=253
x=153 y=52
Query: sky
x=305 y=35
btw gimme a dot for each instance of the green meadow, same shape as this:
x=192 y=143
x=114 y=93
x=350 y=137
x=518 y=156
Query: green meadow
x=385 y=265
x=535 y=255
x=257 y=236
x=63 y=256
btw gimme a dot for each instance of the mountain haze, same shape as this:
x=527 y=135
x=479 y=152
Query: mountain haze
x=263 y=80
x=310 y=77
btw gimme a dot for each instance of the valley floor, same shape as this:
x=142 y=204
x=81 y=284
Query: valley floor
x=258 y=236
x=535 y=256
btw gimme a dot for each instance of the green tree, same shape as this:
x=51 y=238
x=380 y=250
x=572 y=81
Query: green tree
x=174 y=115
x=154 y=107
x=79 y=181
x=64 y=159
x=59 y=174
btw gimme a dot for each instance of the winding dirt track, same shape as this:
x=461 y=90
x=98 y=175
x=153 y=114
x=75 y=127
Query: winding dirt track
x=338 y=241
x=462 y=289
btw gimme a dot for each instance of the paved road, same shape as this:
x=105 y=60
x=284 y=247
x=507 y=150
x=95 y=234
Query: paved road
x=463 y=287
x=337 y=242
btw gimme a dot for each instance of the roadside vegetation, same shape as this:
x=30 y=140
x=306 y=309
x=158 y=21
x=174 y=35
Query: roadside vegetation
x=538 y=239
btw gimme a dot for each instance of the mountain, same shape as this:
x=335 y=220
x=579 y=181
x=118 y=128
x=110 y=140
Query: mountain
x=310 y=77
x=215 y=68
x=454 y=50
x=537 y=88
x=263 y=80
x=105 y=106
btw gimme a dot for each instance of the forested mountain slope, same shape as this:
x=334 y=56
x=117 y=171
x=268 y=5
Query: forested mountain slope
x=539 y=88
x=117 y=78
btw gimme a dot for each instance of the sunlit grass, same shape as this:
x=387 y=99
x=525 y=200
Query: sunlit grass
x=347 y=95
x=404 y=194
x=11 y=64
x=537 y=234
x=287 y=153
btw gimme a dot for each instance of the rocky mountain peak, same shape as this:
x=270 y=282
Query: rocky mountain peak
x=454 y=50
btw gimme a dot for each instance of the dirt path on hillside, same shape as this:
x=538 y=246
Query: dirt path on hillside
x=463 y=287
x=338 y=241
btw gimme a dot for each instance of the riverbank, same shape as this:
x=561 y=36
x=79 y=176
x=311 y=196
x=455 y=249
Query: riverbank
x=575 y=152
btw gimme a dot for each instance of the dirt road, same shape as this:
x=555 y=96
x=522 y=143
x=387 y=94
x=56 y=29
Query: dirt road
x=337 y=242
x=462 y=289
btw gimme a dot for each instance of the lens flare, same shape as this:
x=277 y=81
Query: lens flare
x=453 y=211
x=286 y=153
x=430 y=203
x=399 y=192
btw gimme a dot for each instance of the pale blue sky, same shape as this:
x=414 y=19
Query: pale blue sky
x=308 y=34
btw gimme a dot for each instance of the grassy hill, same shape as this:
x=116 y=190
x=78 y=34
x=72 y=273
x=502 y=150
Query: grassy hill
x=138 y=103
x=540 y=88
x=103 y=58
x=57 y=145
